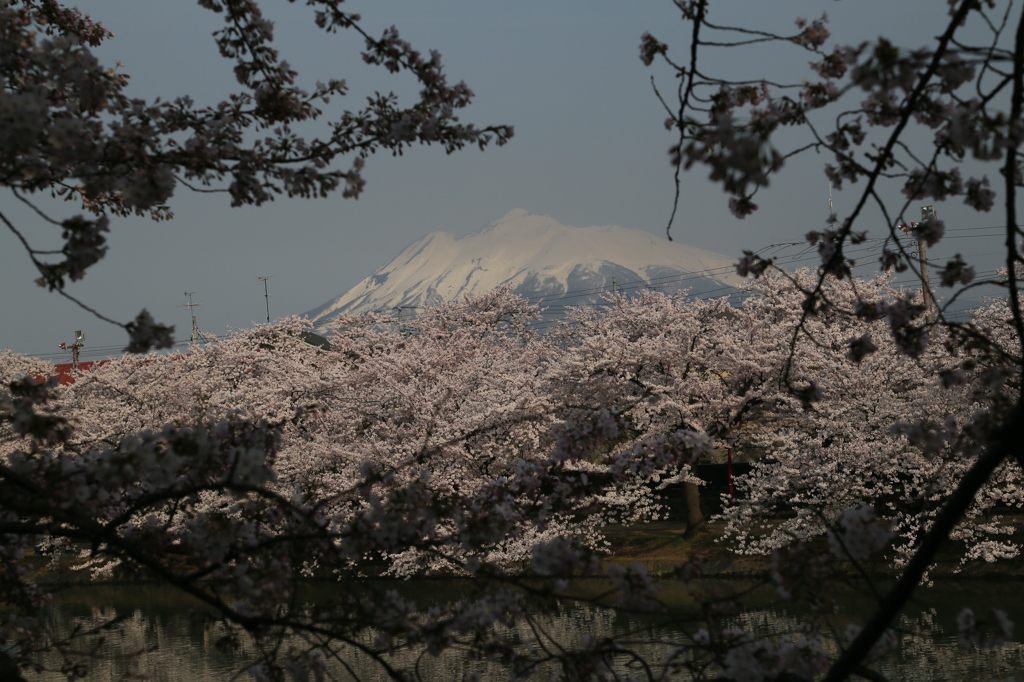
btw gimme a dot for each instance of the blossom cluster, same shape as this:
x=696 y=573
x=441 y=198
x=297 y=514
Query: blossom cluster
x=464 y=441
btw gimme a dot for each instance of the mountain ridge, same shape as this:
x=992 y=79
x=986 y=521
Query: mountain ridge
x=539 y=256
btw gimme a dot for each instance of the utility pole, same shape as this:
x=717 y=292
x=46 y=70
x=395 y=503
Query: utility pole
x=79 y=338
x=615 y=287
x=196 y=334
x=265 y=294
x=927 y=213
x=831 y=211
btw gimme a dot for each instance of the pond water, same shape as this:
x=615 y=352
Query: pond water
x=159 y=635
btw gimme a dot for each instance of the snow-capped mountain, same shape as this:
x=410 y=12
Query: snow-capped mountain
x=543 y=260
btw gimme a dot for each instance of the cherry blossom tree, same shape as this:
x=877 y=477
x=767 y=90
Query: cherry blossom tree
x=465 y=390
x=396 y=436
x=238 y=511
x=860 y=104
x=438 y=445
x=666 y=363
x=886 y=428
x=674 y=362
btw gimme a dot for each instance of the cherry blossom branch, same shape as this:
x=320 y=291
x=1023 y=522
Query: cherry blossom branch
x=1005 y=444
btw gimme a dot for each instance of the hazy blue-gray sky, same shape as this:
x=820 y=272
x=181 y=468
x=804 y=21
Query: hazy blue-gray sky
x=590 y=148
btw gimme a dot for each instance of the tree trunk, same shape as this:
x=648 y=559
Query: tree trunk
x=695 y=522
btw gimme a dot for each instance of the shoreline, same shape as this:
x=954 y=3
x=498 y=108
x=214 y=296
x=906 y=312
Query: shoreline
x=661 y=547
x=659 y=557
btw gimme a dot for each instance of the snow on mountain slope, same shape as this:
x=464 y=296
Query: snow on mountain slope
x=541 y=258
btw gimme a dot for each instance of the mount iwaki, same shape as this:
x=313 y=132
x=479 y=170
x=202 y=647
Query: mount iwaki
x=550 y=263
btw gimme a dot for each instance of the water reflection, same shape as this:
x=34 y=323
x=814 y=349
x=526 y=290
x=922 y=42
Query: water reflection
x=159 y=633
